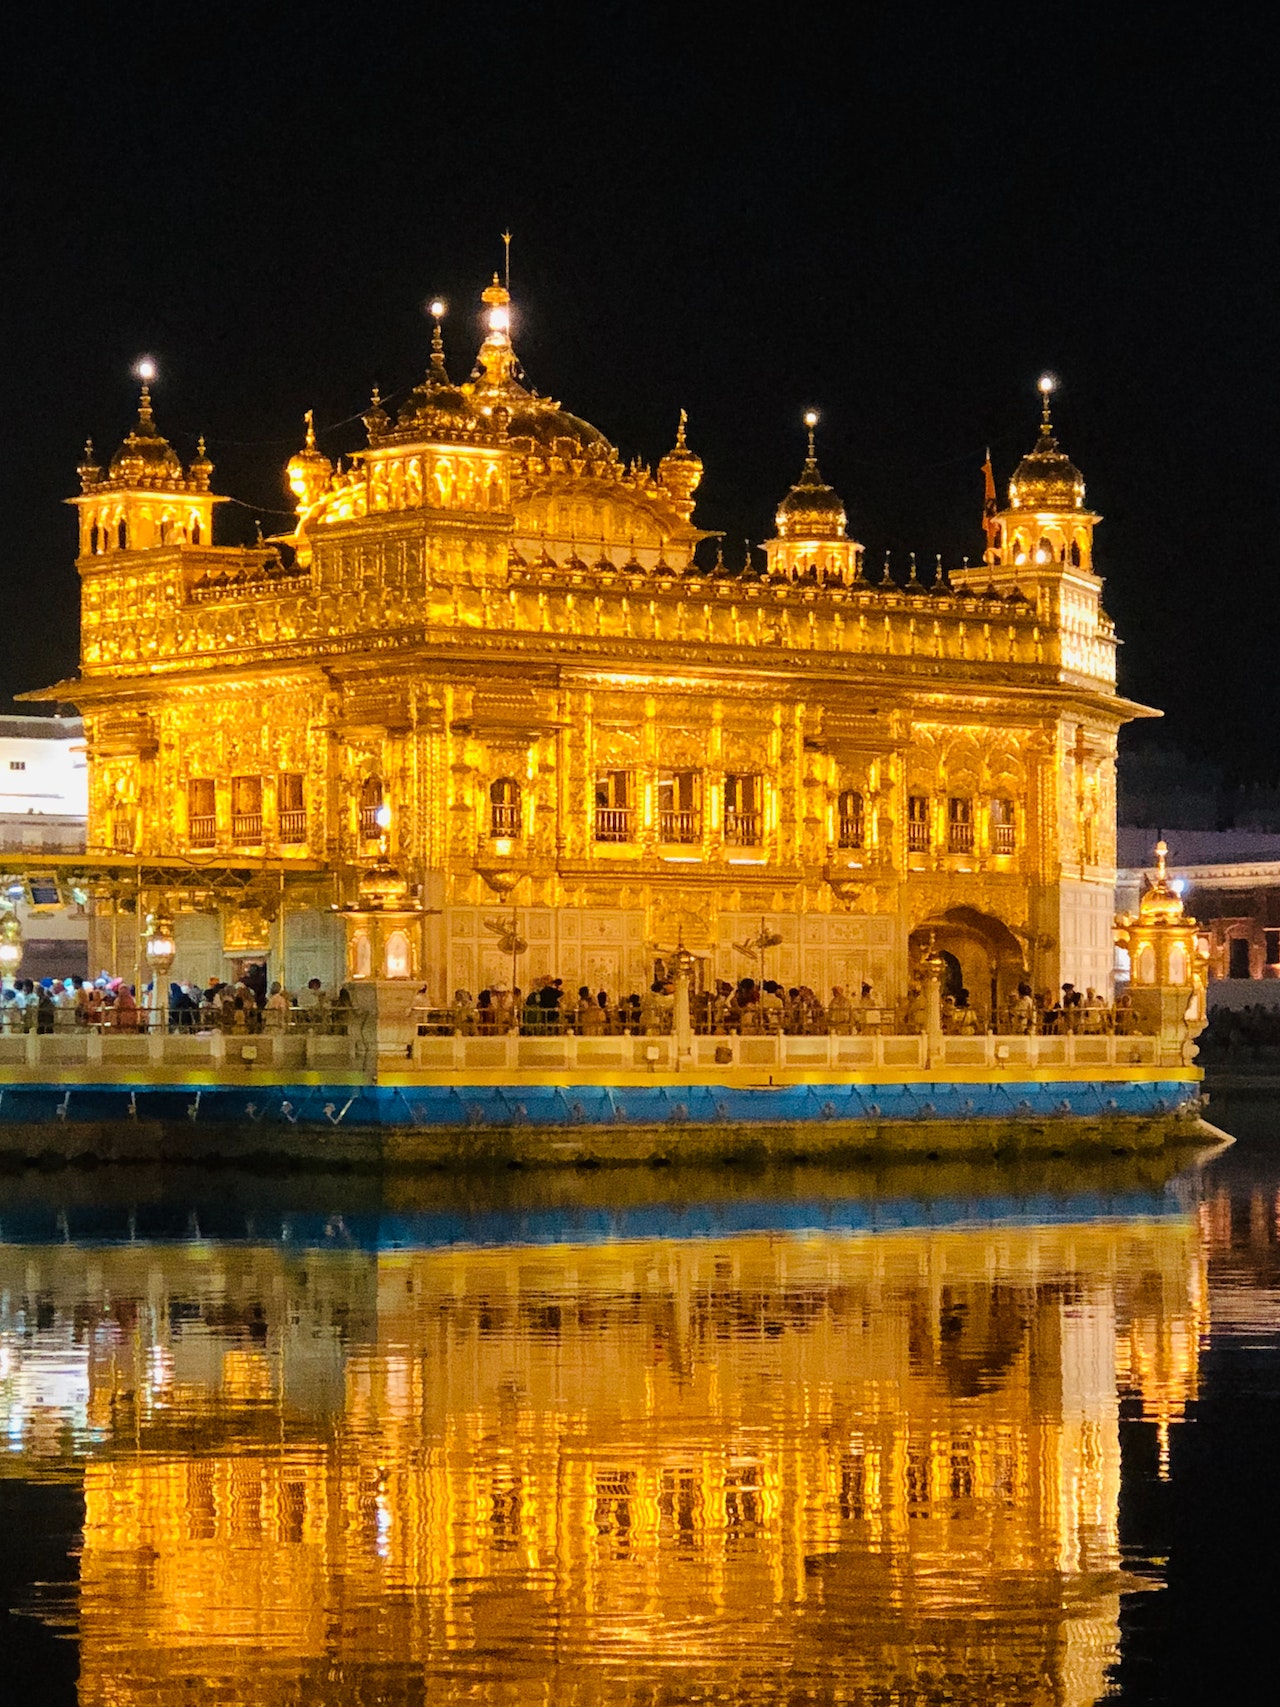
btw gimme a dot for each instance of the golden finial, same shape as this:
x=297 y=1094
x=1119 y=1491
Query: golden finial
x=439 y=373
x=1162 y=862
x=310 y=418
x=506 y=261
x=1047 y=385
x=683 y=423
x=811 y=421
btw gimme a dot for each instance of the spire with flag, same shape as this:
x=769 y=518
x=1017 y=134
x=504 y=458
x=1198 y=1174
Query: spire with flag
x=989 y=507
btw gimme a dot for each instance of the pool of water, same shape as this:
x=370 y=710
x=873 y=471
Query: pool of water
x=925 y=1435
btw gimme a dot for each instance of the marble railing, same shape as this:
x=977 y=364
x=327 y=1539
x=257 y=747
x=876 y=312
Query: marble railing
x=217 y=1052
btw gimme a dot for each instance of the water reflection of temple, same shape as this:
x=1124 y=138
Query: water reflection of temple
x=754 y=1465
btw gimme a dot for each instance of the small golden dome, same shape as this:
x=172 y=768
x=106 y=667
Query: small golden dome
x=200 y=470
x=1161 y=904
x=309 y=470
x=1046 y=479
x=680 y=471
x=146 y=457
x=383 y=888
x=811 y=509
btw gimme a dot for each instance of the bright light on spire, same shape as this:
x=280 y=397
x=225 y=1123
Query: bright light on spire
x=436 y=307
x=811 y=417
x=1047 y=383
x=145 y=369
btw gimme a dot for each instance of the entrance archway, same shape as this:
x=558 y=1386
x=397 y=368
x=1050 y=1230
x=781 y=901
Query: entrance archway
x=981 y=951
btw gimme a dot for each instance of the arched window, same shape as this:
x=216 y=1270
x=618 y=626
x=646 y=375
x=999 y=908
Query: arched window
x=122 y=535
x=1075 y=553
x=164 y=531
x=504 y=807
x=395 y=956
x=1004 y=836
x=1178 y=964
x=1144 y=967
x=371 y=808
x=852 y=819
x=361 y=956
x=997 y=538
x=195 y=531
x=94 y=538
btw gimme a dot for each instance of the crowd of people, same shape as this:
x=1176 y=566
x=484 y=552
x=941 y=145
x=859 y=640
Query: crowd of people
x=768 y=1006
x=547 y=1008
x=250 y=1004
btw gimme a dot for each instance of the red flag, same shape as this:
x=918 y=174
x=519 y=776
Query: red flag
x=989 y=504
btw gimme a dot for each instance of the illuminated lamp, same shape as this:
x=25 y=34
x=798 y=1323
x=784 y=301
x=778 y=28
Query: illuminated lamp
x=10 y=945
x=160 y=948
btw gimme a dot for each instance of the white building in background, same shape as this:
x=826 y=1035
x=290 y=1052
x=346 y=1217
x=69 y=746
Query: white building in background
x=44 y=803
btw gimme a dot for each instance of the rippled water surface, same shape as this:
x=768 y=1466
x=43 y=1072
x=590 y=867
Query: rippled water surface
x=934 y=1436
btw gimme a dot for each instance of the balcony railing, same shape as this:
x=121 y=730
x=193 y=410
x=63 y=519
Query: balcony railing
x=851 y=832
x=370 y=829
x=613 y=823
x=504 y=820
x=293 y=826
x=960 y=838
x=917 y=836
x=246 y=827
x=682 y=827
x=742 y=829
x=1002 y=839
x=123 y=834
x=202 y=830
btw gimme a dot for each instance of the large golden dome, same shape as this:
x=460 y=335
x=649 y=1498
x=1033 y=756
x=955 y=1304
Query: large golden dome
x=537 y=424
x=811 y=509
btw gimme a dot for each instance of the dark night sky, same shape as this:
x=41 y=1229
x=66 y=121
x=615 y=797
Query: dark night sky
x=901 y=217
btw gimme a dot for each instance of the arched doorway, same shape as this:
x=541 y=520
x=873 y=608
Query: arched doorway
x=981 y=954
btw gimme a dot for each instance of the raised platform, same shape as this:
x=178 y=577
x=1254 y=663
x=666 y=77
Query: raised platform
x=366 y=1100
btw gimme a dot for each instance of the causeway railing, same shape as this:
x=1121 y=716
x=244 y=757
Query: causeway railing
x=514 y=1053
x=360 y=1047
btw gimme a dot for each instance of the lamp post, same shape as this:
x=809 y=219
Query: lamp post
x=681 y=1020
x=10 y=944
x=161 y=951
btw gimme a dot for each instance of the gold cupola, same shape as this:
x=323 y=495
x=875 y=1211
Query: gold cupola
x=811 y=510
x=144 y=499
x=810 y=542
x=146 y=458
x=309 y=471
x=680 y=472
x=1046 y=478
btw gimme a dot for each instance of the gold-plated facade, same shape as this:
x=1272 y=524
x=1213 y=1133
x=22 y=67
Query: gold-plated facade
x=491 y=631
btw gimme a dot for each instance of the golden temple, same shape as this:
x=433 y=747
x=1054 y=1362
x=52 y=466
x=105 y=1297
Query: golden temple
x=488 y=668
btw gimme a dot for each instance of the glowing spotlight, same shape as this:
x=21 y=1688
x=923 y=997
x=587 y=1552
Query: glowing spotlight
x=145 y=369
x=382 y=817
x=811 y=417
x=499 y=319
x=1047 y=383
x=436 y=307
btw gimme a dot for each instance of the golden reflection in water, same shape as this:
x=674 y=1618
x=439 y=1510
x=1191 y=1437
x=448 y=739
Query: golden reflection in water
x=757 y=1468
